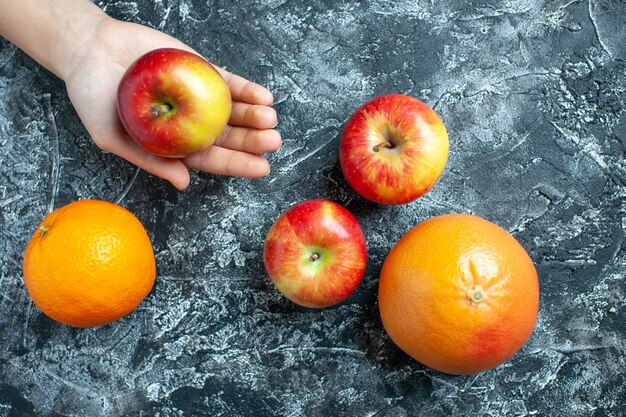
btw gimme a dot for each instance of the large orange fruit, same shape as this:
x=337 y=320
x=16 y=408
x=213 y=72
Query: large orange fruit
x=89 y=263
x=458 y=294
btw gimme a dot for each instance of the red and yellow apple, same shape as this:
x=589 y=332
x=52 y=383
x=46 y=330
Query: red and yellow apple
x=393 y=149
x=315 y=253
x=173 y=102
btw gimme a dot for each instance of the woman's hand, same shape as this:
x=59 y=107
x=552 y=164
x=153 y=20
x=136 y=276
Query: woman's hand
x=93 y=72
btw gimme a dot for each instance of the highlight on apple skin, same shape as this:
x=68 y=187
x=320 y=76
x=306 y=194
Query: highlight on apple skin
x=315 y=253
x=173 y=102
x=393 y=149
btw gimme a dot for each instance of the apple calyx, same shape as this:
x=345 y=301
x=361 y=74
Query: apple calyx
x=476 y=294
x=314 y=257
x=160 y=109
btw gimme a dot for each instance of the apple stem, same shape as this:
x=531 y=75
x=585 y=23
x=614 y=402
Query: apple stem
x=387 y=145
x=314 y=257
x=160 y=109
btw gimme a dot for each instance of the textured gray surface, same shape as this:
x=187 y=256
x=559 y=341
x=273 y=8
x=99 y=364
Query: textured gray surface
x=533 y=95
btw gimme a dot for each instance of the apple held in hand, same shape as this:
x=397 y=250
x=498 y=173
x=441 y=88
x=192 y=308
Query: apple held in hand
x=393 y=149
x=315 y=253
x=173 y=103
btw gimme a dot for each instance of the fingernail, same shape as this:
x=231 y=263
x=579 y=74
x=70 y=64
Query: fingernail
x=275 y=115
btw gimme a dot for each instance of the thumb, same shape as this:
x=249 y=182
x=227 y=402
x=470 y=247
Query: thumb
x=170 y=169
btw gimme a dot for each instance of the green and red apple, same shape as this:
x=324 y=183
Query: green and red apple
x=393 y=149
x=173 y=102
x=315 y=253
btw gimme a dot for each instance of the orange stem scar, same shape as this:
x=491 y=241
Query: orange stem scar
x=476 y=294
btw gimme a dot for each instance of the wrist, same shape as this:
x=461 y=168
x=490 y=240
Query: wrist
x=74 y=35
x=50 y=31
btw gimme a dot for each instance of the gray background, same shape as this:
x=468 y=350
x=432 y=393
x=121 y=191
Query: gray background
x=533 y=95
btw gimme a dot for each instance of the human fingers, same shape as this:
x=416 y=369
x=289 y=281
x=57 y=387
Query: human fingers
x=245 y=90
x=170 y=169
x=249 y=140
x=249 y=115
x=222 y=161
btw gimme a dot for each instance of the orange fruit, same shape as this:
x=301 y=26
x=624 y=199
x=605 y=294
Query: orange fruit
x=458 y=294
x=89 y=263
